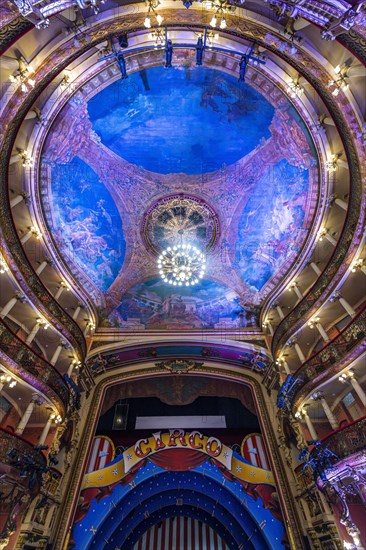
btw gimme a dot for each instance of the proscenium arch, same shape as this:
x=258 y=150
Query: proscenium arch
x=143 y=371
x=160 y=483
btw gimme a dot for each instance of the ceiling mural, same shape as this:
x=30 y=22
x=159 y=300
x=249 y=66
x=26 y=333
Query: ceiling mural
x=184 y=120
x=156 y=305
x=86 y=224
x=139 y=166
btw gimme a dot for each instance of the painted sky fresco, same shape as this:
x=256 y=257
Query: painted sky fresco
x=177 y=123
x=87 y=223
x=269 y=222
x=180 y=120
x=156 y=305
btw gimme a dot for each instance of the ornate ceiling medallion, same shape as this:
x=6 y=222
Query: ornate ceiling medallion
x=180 y=220
x=179 y=366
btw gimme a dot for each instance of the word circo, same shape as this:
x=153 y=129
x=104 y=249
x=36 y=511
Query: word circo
x=195 y=440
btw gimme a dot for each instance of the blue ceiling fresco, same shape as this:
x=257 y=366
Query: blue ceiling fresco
x=109 y=160
x=182 y=120
x=87 y=226
x=269 y=226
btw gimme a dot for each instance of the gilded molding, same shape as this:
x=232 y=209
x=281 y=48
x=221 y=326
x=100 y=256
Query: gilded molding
x=355 y=43
x=13 y=30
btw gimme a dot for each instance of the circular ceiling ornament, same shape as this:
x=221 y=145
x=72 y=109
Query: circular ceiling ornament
x=182 y=265
x=180 y=218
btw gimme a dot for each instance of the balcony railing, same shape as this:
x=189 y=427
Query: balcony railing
x=17 y=453
x=329 y=360
x=33 y=368
x=348 y=440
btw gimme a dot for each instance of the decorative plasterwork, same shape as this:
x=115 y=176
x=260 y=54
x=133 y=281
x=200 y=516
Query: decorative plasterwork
x=179 y=366
x=244 y=356
x=164 y=218
x=314 y=73
x=103 y=78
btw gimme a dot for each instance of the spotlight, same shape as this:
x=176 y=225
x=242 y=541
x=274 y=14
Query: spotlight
x=168 y=54
x=122 y=65
x=199 y=51
x=243 y=68
x=123 y=40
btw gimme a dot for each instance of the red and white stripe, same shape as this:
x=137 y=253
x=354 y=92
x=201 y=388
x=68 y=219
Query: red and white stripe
x=180 y=533
x=101 y=454
x=254 y=451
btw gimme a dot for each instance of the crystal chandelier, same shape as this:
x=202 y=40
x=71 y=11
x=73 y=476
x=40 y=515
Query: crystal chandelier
x=181 y=265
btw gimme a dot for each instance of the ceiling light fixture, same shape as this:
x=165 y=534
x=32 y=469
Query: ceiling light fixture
x=341 y=81
x=152 y=5
x=294 y=89
x=21 y=76
x=3 y=265
x=331 y=165
x=182 y=265
x=221 y=8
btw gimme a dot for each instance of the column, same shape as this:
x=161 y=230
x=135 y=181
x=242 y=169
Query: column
x=269 y=325
x=6 y=309
x=280 y=312
x=299 y=352
x=41 y=267
x=356 y=386
x=16 y=200
x=26 y=416
x=346 y=306
x=76 y=312
x=62 y=287
x=341 y=203
x=283 y=362
x=328 y=413
x=322 y=332
x=86 y=329
x=26 y=237
x=315 y=268
x=330 y=239
x=56 y=355
x=46 y=429
x=310 y=426
x=296 y=289
x=33 y=333
x=71 y=367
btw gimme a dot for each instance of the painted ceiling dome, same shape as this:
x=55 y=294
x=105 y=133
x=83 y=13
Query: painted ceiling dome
x=114 y=158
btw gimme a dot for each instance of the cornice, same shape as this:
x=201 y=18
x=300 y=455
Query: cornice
x=12 y=31
x=355 y=43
